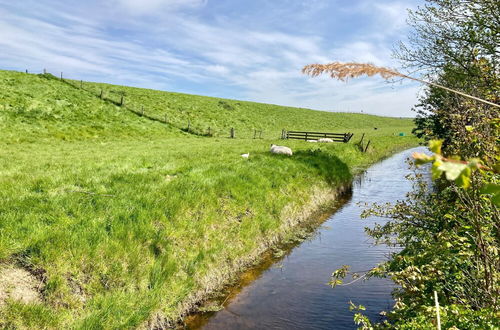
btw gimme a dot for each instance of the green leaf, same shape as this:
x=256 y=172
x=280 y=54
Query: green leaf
x=496 y=167
x=490 y=188
x=436 y=171
x=421 y=158
x=452 y=170
x=463 y=179
x=474 y=163
x=496 y=199
x=435 y=146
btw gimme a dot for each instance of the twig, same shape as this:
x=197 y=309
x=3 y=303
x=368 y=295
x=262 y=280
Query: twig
x=354 y=281
x=416 y=155
x=229 y=295
x=451 y=90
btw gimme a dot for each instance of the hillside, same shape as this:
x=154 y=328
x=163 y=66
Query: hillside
x=34 y=106
x=38 y=106
x=116 y=220
x=222 y=114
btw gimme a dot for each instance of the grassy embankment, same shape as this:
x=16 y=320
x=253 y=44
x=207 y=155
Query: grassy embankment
x=129 y=220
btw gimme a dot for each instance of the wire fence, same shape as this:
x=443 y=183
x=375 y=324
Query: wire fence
x=120 y=99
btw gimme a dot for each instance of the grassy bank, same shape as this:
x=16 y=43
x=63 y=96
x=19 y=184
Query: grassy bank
x=35 y=107
x=125 y=220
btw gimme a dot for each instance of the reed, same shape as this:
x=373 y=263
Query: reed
x=344 y=71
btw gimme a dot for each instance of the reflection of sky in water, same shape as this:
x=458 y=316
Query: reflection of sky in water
x=295 y=296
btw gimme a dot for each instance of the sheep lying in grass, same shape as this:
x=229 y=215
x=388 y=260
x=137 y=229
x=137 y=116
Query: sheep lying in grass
x=245 y=155
x=281 y=150
x=325 y=140
x=313 y=141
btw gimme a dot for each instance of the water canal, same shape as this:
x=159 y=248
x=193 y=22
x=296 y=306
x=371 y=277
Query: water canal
x=292 y=292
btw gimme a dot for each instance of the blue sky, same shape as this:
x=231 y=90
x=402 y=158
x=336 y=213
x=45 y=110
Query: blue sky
x=249 y=50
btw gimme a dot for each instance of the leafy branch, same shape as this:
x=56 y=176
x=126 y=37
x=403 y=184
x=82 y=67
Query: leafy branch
x=458 y=170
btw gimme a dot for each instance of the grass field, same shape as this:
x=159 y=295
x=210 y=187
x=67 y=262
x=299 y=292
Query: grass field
x=128 y=220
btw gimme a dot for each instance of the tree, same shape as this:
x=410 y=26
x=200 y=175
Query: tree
x=450 y=236
x=456 y=43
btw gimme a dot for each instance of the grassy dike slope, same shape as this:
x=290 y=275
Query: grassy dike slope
x=222 y=114
x=127 y=221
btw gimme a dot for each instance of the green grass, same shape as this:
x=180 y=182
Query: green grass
x=223 y=114
x=41 y=106
x=128 y=218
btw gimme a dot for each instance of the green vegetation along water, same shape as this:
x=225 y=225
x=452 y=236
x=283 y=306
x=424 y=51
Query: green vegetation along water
x=291 y=292
x=126 y=221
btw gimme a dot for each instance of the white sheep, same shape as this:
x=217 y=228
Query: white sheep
x=313 y=141
x=325 y=140
x=281 y=150
x=245 y=155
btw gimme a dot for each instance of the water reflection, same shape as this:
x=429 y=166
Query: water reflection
x=291 y=293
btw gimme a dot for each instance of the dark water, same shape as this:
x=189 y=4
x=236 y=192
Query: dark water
x=293 y=294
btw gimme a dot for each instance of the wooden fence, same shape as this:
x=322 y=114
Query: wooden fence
x=300 y=135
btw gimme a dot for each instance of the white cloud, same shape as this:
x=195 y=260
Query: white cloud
x=217 y=69
x=392 y=15
x=169 y=49
x=142 y=7
x=362 y=51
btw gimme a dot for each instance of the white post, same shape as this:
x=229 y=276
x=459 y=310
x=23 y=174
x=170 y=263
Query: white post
x=437 y=311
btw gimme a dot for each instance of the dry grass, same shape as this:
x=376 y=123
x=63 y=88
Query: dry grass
x=344 y=71
x=18 y=284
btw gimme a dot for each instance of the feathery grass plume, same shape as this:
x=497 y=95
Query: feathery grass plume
x=344 y=71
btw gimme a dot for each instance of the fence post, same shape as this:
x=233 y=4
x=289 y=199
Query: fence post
x=362 y=137
x=189 y=125
x=368 y=144
x=61 y=76
x=305 y=137
x=209 y=132
x=26 y=70
x=44 y=71
x=122 y=100
x=232 y=133
x=260 y=135
x=100 y=96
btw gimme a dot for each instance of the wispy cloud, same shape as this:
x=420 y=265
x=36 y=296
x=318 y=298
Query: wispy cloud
x=186 y=45
x=144 y=7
